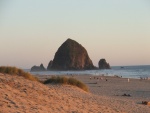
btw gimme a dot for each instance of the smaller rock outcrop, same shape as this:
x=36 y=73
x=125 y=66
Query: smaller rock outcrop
x=103 y=64
x=38 y=68
x=49 y=65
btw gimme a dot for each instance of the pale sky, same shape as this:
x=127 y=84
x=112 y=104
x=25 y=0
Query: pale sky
x=31 y=31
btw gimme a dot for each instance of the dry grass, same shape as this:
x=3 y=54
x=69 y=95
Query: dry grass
x=68 y=81
x=15 y=71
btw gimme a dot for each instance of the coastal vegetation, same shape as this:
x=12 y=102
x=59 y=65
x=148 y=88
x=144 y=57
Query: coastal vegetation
x=56 y=80
x=66 y=81
x=15 y=71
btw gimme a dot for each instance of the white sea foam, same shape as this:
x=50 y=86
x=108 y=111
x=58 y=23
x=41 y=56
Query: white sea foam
x=125 y=72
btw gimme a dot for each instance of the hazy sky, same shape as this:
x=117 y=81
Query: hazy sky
x=32 y=30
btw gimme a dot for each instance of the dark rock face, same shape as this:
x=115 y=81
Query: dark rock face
x=38 y=68
x=71 y=56
x=49 y=65
x=103 y=64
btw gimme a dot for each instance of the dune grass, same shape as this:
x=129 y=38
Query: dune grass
x=15 y=71
x=66 y=81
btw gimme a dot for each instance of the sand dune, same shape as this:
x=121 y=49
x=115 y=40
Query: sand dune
x=18 y=95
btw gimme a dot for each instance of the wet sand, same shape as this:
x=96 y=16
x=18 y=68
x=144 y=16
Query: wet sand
x=110 y=91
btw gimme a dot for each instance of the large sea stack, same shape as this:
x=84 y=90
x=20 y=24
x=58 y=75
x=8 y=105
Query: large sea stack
x=49 y=65
x=103 y=64
x=71 y=56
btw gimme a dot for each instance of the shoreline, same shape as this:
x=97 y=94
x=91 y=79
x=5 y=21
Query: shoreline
x=100 y=75
x=136 y=72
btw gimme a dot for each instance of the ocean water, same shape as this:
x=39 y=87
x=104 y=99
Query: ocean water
x=124 y=71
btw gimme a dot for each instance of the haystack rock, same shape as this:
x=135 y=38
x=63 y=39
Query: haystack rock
x=71 y=56
x=49 y=65
x=103 y=64
x=38 y=68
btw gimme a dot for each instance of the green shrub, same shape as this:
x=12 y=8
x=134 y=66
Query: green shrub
x=65 y=80
x=16 y=71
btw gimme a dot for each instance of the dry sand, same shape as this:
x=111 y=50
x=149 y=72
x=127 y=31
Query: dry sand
x=18 y=95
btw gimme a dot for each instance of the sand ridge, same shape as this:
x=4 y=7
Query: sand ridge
x=19 y=95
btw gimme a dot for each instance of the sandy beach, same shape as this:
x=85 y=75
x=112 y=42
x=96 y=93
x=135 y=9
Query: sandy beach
x=74 y=56
x=19 y=95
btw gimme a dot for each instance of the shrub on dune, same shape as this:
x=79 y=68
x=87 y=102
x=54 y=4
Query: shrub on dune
x=15 y=71
x=65 y=80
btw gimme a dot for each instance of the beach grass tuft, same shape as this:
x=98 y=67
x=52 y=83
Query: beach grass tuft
x=66 y=81
x=15 y=71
